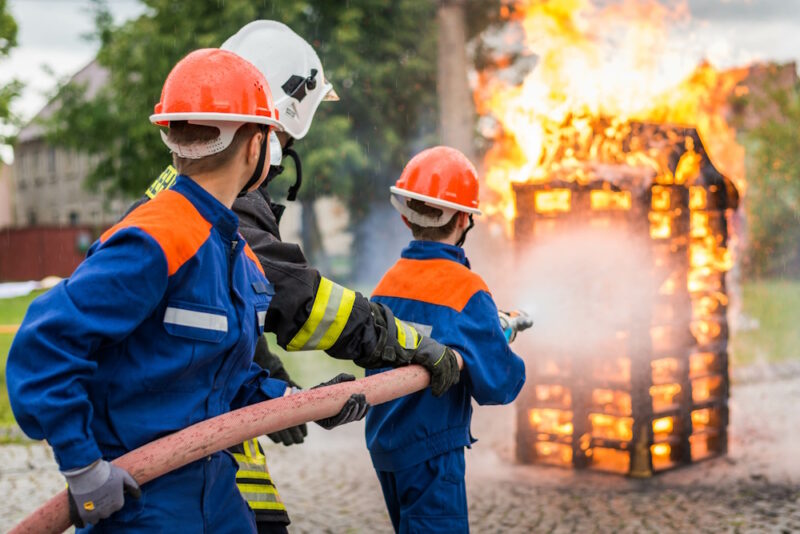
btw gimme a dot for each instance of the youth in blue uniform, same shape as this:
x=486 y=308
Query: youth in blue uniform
x=156 y=329
x=417 y=442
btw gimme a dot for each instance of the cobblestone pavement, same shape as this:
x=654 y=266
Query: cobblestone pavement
x=329 y=486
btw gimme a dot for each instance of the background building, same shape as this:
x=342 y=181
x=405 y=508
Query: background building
x=50 y=180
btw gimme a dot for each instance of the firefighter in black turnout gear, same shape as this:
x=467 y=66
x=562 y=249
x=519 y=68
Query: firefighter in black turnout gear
x=307 y=311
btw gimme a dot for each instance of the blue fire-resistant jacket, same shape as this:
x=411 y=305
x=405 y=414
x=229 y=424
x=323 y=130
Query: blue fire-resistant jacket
x=153 y=332
x=432 y=288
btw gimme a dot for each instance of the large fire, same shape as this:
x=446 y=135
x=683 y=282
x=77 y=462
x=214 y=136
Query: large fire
x=616 y=130
x=599 y=67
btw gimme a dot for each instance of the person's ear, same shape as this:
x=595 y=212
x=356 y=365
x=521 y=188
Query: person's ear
x=254 y=148
x=463 y=220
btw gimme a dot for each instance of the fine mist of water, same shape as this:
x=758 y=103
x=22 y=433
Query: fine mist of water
x=583 y=288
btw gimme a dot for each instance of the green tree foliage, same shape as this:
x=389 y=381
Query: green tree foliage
x=9 y=91
x=379 y=56
x=773 y=188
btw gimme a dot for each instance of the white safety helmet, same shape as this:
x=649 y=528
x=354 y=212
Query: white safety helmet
x=292 y=69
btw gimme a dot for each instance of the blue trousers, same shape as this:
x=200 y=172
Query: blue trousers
x=200 y=497
x=428 y=497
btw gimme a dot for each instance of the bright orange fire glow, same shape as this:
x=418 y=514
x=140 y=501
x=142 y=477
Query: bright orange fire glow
x=551 y=421
x=600 y=66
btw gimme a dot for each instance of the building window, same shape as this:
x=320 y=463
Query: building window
x=31 y=218
x=73 y=218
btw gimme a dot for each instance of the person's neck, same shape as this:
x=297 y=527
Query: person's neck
x=219 y=185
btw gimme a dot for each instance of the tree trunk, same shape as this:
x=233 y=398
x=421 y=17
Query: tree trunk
x=456 y=123
x=311 y=236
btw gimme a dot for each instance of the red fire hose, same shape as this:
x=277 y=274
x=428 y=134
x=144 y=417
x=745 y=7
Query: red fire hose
x=207 y=437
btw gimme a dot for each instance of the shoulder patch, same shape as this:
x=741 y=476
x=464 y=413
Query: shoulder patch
x=173 y=222
x=442 y=282
x=252 y=255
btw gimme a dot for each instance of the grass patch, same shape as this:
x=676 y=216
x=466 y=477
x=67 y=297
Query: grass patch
x=13 y=310
x=11 y=313
x=6 y=417
x=775 y=305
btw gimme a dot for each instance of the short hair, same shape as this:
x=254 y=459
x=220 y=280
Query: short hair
x=185 y=133
x=430 y=233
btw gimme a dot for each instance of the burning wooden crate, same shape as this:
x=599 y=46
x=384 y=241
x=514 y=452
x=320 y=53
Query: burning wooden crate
x=653 y=393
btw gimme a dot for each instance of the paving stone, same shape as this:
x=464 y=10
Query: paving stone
x=329 y=485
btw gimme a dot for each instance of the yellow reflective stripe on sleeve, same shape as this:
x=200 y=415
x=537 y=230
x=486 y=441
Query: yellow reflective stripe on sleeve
x=401 y=332
x=256 y=489
x=407 y=335
x=266 y=505
x=330 y=312
x=164 y=181
x=317 y=313
x=339 y=322
x=247 y=473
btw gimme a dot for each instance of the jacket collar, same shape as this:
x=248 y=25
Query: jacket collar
x=212 y=210
x=433 y=250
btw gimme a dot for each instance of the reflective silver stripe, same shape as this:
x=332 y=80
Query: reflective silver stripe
x=423 y=329
x=195 y=319
x=329 y=317
x=262 y=316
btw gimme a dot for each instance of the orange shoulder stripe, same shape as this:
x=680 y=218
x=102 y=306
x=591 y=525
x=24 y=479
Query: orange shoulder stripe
x=173 y=222
x=442 y=282
x=252 y=255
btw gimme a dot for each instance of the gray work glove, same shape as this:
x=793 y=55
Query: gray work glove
x=513 y=322
x=97 y=491
x=441 y=363
x=354 y=409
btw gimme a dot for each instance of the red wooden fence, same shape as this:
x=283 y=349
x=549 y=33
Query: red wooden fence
x=39 y=251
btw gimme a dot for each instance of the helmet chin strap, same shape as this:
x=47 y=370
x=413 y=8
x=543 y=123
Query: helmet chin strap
x=298 y=170
x=463 y=238
x=262 y=157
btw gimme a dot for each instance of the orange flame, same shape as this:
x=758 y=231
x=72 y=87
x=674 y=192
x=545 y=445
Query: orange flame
x=611 y=61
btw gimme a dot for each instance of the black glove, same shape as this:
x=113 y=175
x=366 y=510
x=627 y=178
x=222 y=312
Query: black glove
x=441 y=363
x=354 y=409
x=290 y=436
x=97 y=491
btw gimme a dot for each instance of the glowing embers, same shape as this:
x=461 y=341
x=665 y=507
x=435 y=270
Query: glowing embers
x=704 y=363
x=553 y=453
x=611 y=401
x=665 y=397
x=610 y=427
x=708 y=433
x=660 y=225
x=551 y=421
x=707 y=388
x=553 y=201
x=554 y=395
x=666 y=370
x=611 y=460
x=603 y=199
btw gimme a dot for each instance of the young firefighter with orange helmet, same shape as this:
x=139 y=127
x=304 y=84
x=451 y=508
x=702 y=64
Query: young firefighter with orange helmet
x=156 y=329
x=417 y=442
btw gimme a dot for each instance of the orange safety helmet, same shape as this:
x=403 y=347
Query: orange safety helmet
x=442 y=177
x=214 y=87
